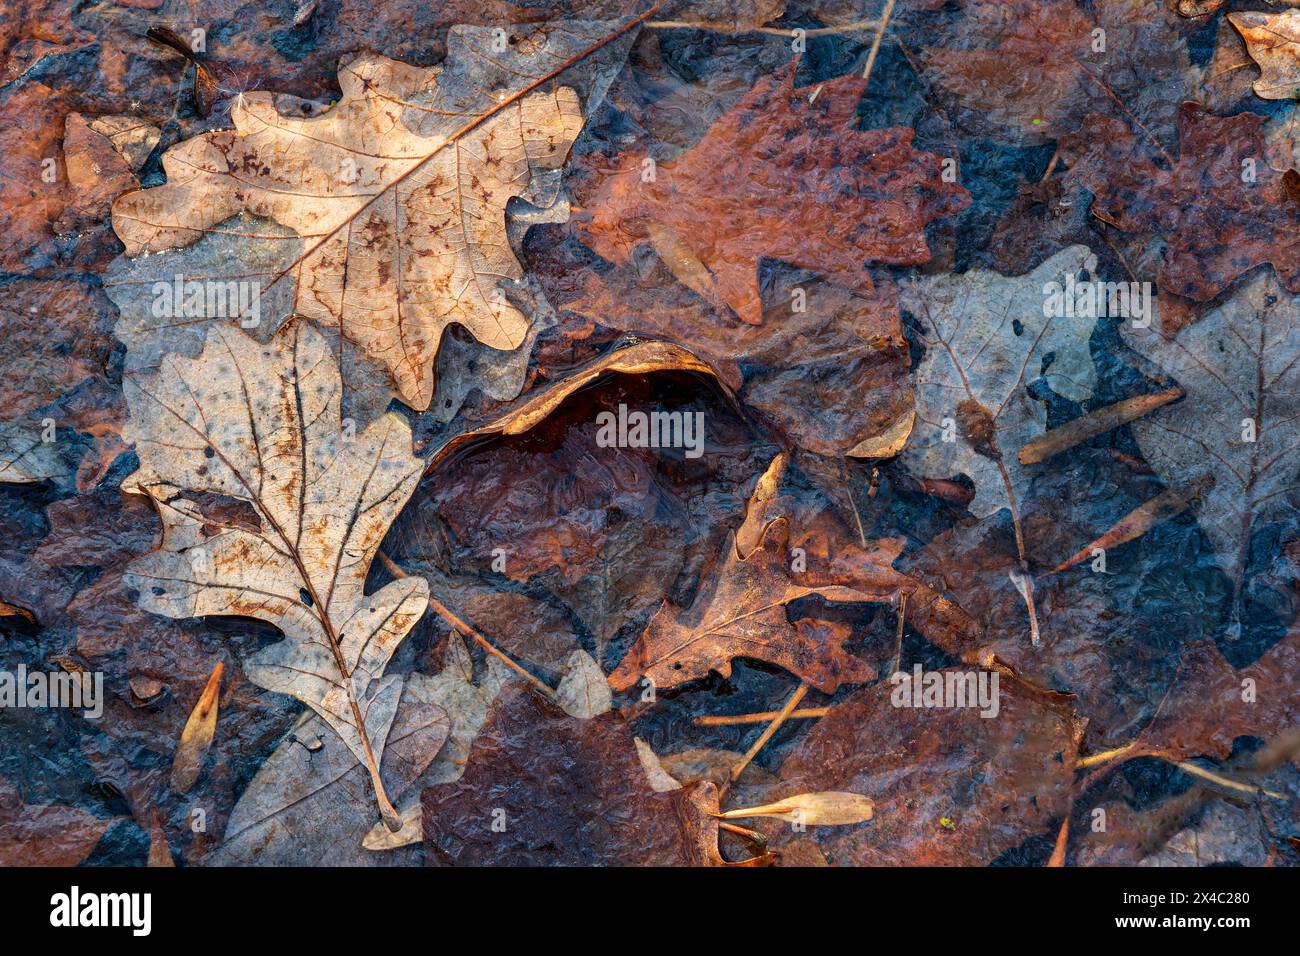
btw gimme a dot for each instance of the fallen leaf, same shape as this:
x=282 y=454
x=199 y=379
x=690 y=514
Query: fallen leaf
x=987 y=340
x=780 y=177
x=45 y=835
x=583 y=691
x=309 y=804
x=578 y=796
x=258 y=428
x=1028 y=71
x=1221 y=208
x=1213 y=703
x=399 y=242
x=998 y=780
x=160 y=854
x=1273 y=40
x=740 y=609
x=1238 y=366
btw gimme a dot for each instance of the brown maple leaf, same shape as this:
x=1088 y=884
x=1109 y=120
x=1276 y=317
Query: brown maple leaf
x=783 y=174
x=1221 y=208
x=1029 y=70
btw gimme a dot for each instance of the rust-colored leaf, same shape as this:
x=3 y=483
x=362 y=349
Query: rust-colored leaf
x=1221 y=208
x=781 y=177
x=579 y=795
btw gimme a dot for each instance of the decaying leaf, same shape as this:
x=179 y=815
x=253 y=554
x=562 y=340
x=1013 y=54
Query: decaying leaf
x=740 y=608
x=1028 y=70
x=997 y=780
x=272 y=509
x=780 y=176
x=578 y=796
x=1221 y=209
x=987 y=340
x=1238 y=429
x=398 y=192
x=640 y=358
x=196 y=738
x=1214 y=703
x=1273 y=40
x=36 y=835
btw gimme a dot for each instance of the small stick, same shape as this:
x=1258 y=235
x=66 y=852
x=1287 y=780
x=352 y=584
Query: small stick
x=451 y=618
x=1094 y=423
x=780 y=718
x=772 y=31
x=748 y=834
x=1221 y=781
x=1104 y=756
x=875 y=44
x=1062 y=844
x=1056 y=156
x=902 y=621
x=727 y=720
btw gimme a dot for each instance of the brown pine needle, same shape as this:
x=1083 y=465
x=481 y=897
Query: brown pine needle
x=880 y=35
x=728 y=720
x=777 y=721
x=856 y=27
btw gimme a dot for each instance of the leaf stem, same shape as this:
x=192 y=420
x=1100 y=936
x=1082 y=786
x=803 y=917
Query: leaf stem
x=458 y=624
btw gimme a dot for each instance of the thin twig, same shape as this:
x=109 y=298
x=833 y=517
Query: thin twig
x=728 y=720
x=848 y=490
x=902 y=622
x=1223 y=781
x=780 y=718
x=880 y=35
x=459 y=625
x=855 y=27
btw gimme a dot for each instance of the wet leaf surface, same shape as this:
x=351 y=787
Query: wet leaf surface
x=914 y=456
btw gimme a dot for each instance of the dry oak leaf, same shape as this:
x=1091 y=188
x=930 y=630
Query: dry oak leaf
x=739 y=609
x=272 y=509
x=398 y=191
x=996 y=781
x=45 y=835
x=1239 y=364
x=573 y=793
x=308 y=804
x=1221 y=209
x=1273 y=40
x=781 y=177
